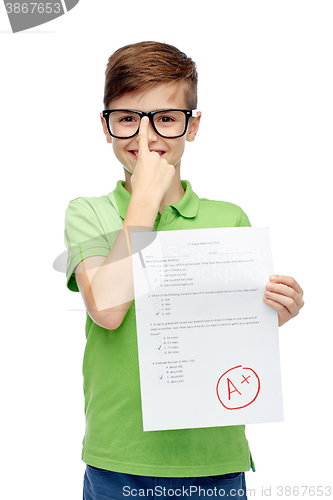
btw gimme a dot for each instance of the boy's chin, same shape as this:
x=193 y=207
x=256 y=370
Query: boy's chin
x=129 y=170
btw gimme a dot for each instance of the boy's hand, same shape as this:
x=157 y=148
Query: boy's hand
x=153 y=175
x=285 y=295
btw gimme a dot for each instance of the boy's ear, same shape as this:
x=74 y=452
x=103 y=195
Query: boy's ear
x=105 y=130
x=194 y=127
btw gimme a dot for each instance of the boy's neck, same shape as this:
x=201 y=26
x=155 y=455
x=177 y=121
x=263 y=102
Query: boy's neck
x=175 y=193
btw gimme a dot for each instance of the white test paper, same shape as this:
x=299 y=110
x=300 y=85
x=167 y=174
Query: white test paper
x=208 y=344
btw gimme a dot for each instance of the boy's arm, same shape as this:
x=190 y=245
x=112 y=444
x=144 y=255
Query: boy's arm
x=106 y=284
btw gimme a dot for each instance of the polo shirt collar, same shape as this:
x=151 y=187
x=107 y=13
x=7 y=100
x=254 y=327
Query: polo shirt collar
x=187 y=206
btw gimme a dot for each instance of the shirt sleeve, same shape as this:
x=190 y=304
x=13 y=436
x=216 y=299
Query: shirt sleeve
x=84 y=237
x=244 y=220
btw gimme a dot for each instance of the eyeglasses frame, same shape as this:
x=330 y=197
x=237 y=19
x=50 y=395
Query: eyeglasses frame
x=189 y=113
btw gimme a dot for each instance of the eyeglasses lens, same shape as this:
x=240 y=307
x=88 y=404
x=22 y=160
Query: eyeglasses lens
x=167 y=123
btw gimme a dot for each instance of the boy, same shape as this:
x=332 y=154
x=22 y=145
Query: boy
x=150 y=101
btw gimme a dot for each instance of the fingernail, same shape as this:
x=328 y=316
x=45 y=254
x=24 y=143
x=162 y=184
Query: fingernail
x=268 y=295
x=274 y=277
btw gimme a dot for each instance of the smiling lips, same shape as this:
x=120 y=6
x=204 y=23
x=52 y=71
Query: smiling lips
x=135 y=152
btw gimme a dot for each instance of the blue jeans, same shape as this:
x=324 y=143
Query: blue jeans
x=100 y=484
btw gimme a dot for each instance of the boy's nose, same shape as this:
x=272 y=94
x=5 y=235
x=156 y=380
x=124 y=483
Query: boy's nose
x=151 y=134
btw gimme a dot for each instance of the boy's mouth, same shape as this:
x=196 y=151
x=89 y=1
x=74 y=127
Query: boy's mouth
x=135 y=152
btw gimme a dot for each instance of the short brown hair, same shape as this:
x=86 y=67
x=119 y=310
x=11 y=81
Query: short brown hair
x=140 y=66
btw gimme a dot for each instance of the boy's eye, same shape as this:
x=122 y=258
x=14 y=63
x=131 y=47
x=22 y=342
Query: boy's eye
x=165 y=119
x=128 y=119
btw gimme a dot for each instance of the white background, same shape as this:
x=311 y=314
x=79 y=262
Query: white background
x=265 y=143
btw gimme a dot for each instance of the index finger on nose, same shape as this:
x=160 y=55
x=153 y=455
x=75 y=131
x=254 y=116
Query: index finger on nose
x=143 y=134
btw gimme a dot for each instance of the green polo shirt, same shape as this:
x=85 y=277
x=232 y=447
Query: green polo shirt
x=114 y=437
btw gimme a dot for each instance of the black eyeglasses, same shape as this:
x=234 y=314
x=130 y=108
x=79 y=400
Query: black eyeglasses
x=168 y=123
